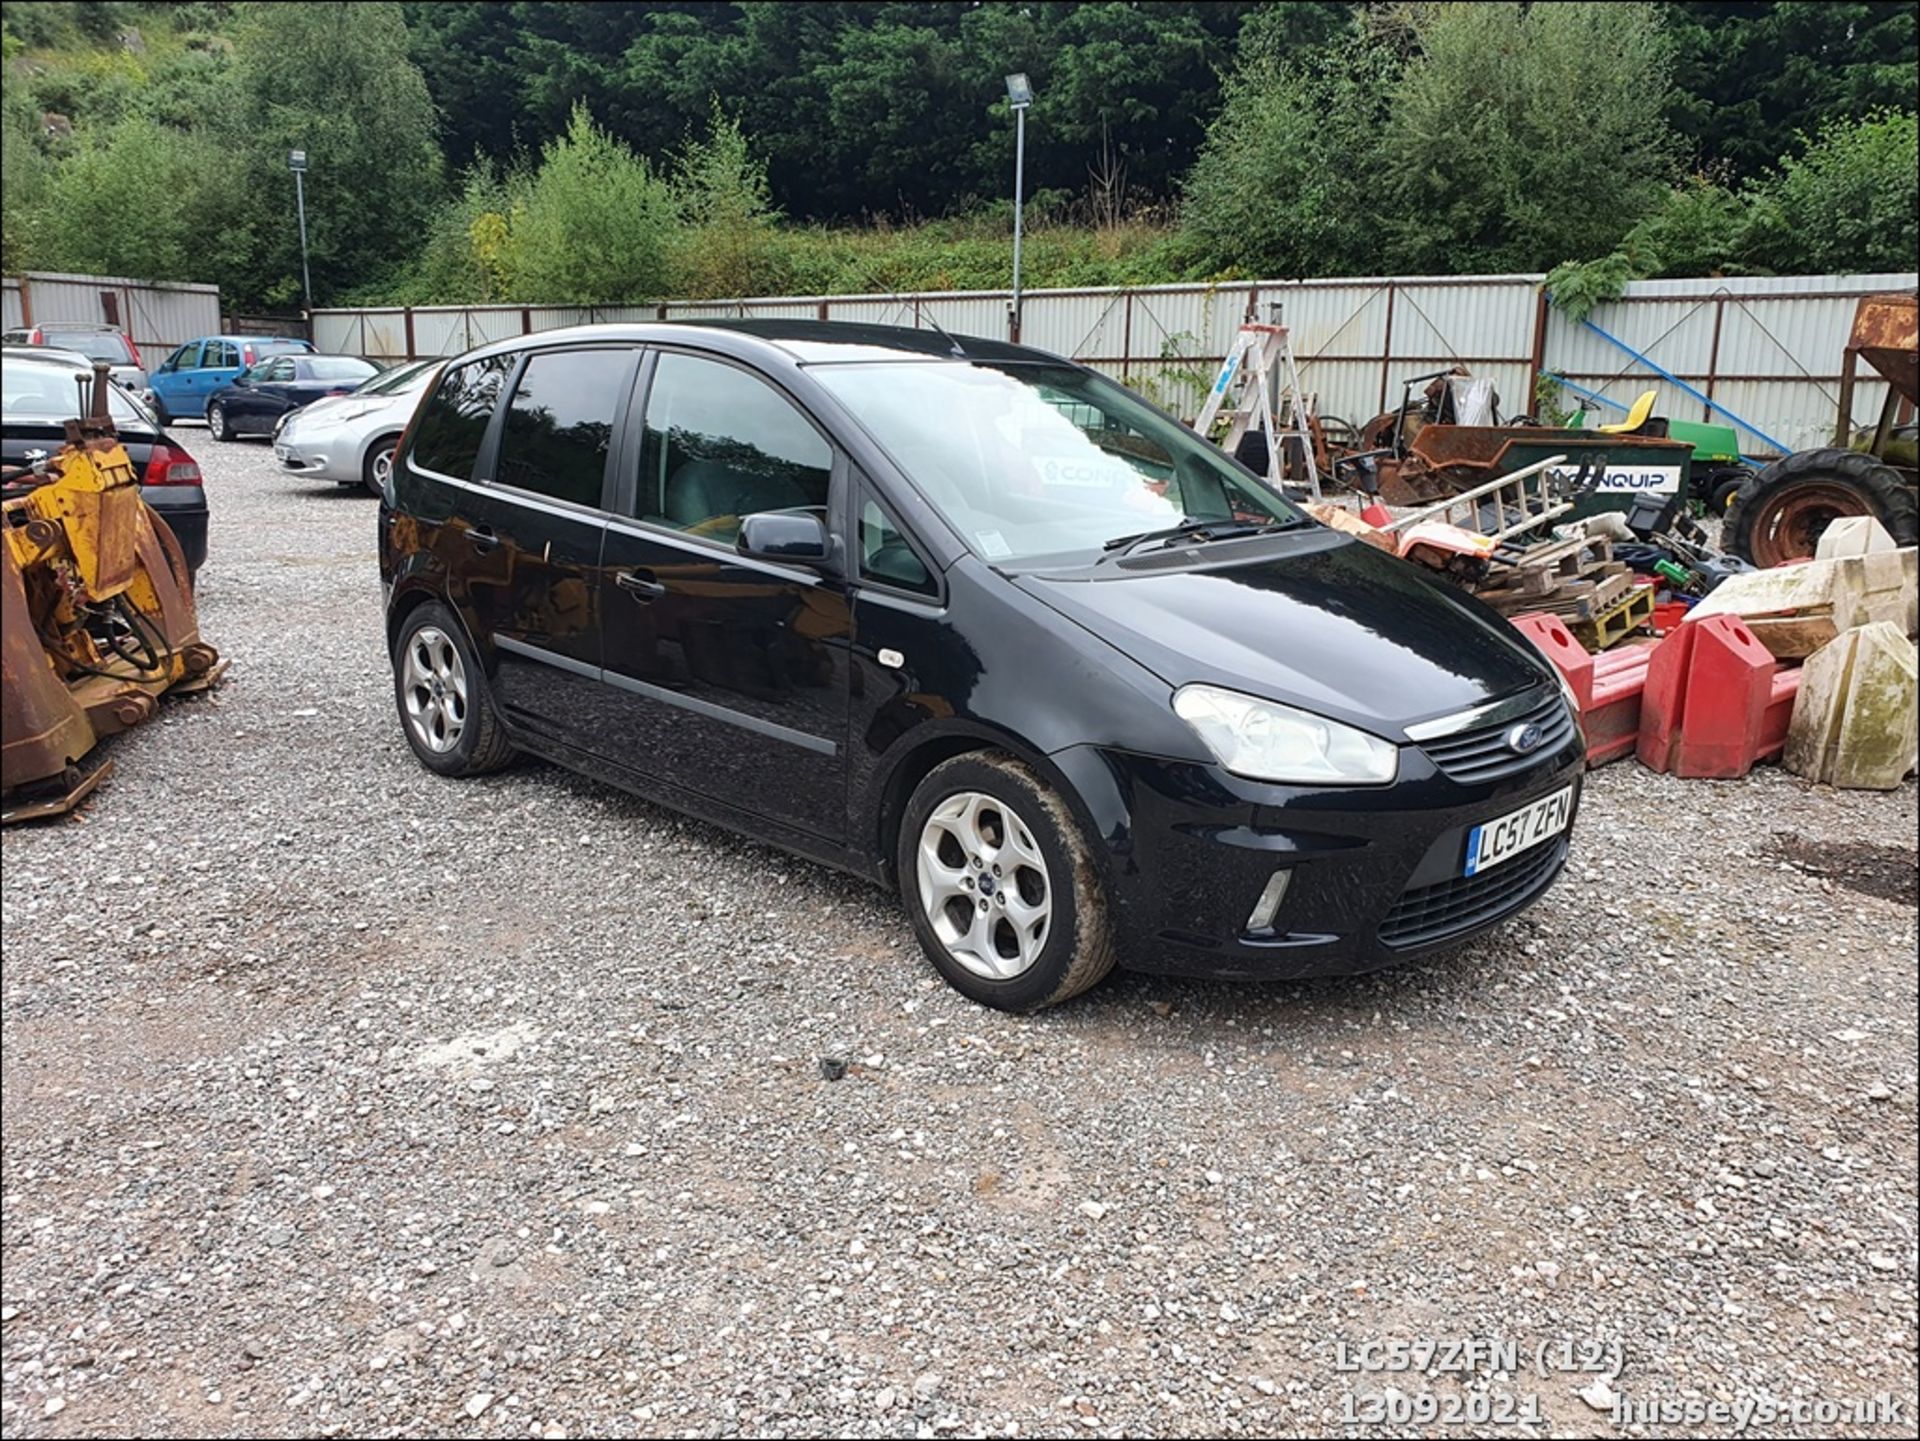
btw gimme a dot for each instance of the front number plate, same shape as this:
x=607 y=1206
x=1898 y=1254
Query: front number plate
x=1500 y=840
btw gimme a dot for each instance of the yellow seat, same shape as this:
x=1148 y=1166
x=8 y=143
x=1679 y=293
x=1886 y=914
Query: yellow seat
x=1637 y=417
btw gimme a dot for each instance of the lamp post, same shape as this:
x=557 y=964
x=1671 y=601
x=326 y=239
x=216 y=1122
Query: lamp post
x=297 y=163
x=1019 y=96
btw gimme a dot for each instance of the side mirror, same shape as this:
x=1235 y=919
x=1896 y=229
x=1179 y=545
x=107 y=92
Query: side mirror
x=794 y=537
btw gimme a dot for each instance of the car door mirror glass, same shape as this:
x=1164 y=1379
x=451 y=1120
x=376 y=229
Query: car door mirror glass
x=797 y=537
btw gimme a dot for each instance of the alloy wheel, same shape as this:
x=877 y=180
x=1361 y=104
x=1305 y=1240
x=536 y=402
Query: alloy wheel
x=433 y=682
x=984 y=884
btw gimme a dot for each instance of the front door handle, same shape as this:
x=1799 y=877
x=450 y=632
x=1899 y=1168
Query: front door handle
x=640 y=584
x=482 y=537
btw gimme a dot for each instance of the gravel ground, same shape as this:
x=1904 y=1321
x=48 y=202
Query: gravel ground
x=340 y=1098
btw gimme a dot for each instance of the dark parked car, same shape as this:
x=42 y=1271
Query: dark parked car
x=974 y=622
x=38 y=395
x=253 y=402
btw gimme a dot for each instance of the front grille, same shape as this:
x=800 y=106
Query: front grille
x=1452 y=908
x=1476 y=756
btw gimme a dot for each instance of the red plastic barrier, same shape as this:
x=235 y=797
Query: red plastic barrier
x=1607 y=686
x=1716 y=701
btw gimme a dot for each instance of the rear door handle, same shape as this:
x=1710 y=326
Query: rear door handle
x=640 y=584
x=482 y=537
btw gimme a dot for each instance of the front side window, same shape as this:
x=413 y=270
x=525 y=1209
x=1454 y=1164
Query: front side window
x=447 y=438
x=722 y=444
x=559 y=424
x=183 y=358
x=1044 y=461
x=885 y=556
x=273 y=370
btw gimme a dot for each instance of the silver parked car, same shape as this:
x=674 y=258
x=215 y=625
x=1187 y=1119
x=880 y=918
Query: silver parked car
x=350 y=438
x=93 y=340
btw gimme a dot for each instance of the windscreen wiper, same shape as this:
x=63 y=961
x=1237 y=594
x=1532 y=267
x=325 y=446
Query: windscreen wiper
x=1196 y=530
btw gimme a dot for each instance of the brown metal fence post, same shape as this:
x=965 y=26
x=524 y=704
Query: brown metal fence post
x=26 y=302
x=1713 y=355
x=409 y=326
x=526 y=320
x=1126 y=336
x=1386 y=351
x=1538 y=360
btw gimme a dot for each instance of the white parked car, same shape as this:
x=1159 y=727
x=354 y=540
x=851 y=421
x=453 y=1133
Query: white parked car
x=350 y=438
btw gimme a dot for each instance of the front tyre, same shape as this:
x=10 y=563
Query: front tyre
x=1000 y=885
x=377 y=469
x=446 y=708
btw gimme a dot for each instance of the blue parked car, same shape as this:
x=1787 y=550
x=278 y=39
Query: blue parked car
x=187 y=379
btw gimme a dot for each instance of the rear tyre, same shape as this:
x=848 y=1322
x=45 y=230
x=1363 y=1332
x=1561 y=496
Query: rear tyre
x=218 y=423
x=446 y=708
x=160 y=411
x=378 y=465
x=1000 y=885
x=1782 y=512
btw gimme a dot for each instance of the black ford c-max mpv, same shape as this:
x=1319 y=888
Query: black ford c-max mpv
x=973 y=621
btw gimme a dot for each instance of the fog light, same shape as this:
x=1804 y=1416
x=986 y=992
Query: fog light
x=1264 y=909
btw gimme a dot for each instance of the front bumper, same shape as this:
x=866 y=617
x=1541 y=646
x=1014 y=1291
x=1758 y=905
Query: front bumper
x=322 y=459
x=1374 y=874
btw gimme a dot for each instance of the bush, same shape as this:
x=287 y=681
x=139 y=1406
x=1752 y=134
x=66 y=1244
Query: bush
x=1848 y=203
x=595 y=225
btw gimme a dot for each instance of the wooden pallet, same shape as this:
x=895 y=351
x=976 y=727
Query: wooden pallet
x=1575 y=578
x=1632 y=612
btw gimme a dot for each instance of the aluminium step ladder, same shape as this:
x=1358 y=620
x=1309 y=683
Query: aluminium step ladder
x=1268 y=398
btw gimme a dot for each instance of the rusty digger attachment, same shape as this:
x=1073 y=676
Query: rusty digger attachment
x=96 y=615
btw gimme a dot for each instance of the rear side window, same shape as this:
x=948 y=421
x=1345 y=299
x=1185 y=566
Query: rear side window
x=447 y=438
x=338 y=367
x=560 y=422
x=720 y=445
x=220 y=355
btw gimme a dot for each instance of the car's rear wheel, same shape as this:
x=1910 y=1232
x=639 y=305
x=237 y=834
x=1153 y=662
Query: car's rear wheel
x=218 y=423
x=377 y=468
x=1000 y=885
x=446 y=708
x=160 y=411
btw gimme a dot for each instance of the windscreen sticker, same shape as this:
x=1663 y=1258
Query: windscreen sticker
x=993 y=544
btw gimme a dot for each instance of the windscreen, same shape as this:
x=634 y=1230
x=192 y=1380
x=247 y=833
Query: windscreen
x=107 y=345
x=1044 y=461
x=402 y=377
x=47 y=395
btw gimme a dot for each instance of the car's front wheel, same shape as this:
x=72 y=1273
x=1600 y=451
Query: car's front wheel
x=377 y=468
x=1000 y=885
x=218 y=423
x=446 y=708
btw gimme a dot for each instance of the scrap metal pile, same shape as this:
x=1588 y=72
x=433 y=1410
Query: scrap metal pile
x=1690 y=658
x=96 y=615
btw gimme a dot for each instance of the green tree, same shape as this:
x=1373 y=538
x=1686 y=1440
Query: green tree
x=332 y=79
x=25 y=171
x=1286 y=183
x=595 y=225
x=1750 y=77
x=1849 y=203
x=724 y=245
x=165 y=180
x=1524 y=135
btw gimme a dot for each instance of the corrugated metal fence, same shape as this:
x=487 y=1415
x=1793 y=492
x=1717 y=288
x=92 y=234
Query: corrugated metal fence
x=157 y=315
x=1767 y=350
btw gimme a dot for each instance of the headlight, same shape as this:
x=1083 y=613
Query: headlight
x=1265 y=741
